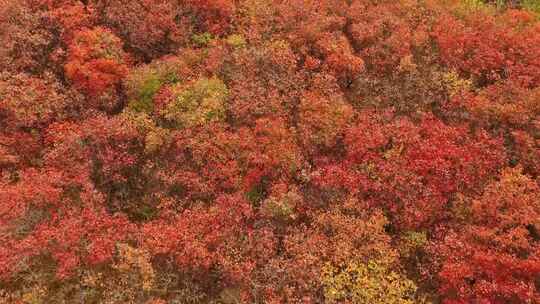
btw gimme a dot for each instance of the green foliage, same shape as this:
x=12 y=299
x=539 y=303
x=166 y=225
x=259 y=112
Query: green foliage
x=144 y=102
x=531 y=5
x=143 y=83
x=202 y=39
x=197 y=103
x=370 y=282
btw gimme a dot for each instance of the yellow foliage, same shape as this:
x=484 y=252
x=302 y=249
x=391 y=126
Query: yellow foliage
x=135 y=259
x=411 y=241
x=154 y=136
x=370 y=282
x=197 y=103
x=236 y=41
x=155 y=139
x=34 y=296
x=454 y=84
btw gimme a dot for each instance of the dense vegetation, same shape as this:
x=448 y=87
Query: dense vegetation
x=269 y=151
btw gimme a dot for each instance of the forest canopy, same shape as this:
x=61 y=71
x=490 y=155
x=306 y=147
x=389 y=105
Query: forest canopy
x=269 y=151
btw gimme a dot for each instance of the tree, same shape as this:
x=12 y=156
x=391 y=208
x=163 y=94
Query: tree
x=97 y=63
x=493 y=256
x=269 y=151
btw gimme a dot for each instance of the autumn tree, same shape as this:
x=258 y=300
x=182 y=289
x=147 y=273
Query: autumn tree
x=259 y=151
x=493 y=254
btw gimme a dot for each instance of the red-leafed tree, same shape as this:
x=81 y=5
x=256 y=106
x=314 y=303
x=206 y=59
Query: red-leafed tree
x=493 y=255
x=490 y=48
x=414 y=170
x=96 y=62
x=269 y=151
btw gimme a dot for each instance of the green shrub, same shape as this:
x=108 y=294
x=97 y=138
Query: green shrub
x=197 y=103
x=144 y=82
x=531 y=5
x=202 y=39
x=144 y=101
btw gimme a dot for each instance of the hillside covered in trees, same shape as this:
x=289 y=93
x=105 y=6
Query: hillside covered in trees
x=269 y=151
